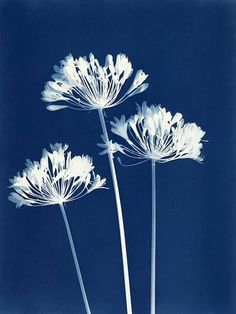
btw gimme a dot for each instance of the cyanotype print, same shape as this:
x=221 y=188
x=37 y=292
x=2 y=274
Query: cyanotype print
x=151 y=88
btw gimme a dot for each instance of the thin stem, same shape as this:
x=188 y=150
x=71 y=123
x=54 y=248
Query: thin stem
x=77 y=267
x=120 y=216
x=153 y=244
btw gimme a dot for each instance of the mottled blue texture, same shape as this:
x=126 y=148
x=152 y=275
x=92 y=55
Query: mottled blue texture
x=188 y=49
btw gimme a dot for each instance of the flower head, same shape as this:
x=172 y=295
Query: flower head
x=153 y=133
x=57 y=178
x=85 y=84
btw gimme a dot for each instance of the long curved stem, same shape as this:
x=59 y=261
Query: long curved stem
x=153 y=243
x=120 y=216
x=77 y=267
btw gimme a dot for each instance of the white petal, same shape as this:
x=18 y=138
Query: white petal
x=56 y=107
x=177 y=117
x=139 y=90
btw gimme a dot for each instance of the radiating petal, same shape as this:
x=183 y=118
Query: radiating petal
x=56 y=107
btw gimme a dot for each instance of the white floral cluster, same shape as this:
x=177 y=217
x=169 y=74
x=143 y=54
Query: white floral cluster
x=56 y=179
x=153 y=133
x=85 y=84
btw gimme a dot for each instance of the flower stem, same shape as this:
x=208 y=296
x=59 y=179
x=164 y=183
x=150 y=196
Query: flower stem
x=153 y=243
x=79 y=275
x=120 y=216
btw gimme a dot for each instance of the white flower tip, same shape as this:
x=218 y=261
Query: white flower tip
x=68 y=57
x=177 y=117
x=56 y=68
x=16 y=199
x=139 y=89
x=140 y=77
x=57 y=147
x=91 y=56
x=103 y=182
x=109 y=60
x=98 y=183
x=143 y=87
x=56 y=107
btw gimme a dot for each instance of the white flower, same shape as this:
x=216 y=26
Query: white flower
x=153 y=133
x=85 y=84
x=56 y=179
x=111 y=146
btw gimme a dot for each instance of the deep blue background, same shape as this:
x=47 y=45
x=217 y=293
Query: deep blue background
x=188 y=49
